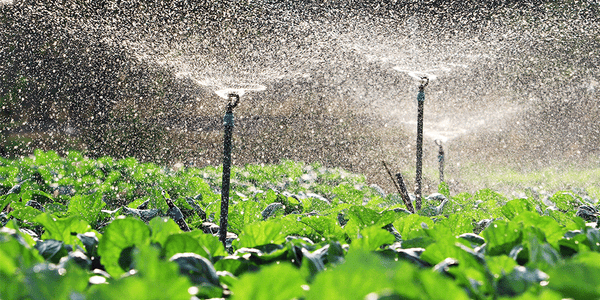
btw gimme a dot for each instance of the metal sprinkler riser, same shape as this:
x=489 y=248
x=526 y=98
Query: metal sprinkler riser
x=229 y=123
x=421 y=103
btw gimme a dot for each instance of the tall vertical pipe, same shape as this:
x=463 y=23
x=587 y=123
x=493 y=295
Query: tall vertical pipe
x=228 y=122
x=421 y=103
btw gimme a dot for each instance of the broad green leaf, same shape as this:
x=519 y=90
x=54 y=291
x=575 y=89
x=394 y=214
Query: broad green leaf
x=48 y=281
x=119 y=235
x=8 y=199
x=277 y=281
x=572 y=244
x=514 y=207
x=435 y=286
x=211 y=243
x=183 y=243
x=362 y=273
x=372 y=238
x=502 y=236
x=235 y=265
x=156 y=279
x=453 y=225
x=56 y=209
x=577 y=280
x=87 y=207
x=324 y=226
x=490 y=195
x=63 y=229
x=451 y=248
x=411 y=227
x=51 y=250
x=444 y=189
x=347 y=193
x=500 y=264
x=535 y=294
x=199 y=270
x=36 y=195
x=541 y=254
x=161 y=228
x=389 y=216
x=588 y=258
x=262 y=233
x=551 y=229
x=13 y=286
x=366 y=273
x=15 y=253
x=25 y=213
x=519 y=280
x=570 y=222
x=244 y=213
x=565 y=201
x=364 y=217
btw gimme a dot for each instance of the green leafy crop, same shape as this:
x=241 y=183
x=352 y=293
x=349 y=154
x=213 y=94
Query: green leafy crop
x=74 y=227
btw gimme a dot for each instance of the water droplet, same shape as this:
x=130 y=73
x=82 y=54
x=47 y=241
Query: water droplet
x=193 y=290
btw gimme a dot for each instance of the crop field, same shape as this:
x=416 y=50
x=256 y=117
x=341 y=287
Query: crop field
x=80 y=228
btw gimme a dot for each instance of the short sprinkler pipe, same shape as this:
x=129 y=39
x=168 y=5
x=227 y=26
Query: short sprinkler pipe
x=440 y=159
x=421 y=103
x=228 y=122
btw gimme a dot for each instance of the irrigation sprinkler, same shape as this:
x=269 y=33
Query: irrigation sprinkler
x=228 y=122
x=421 y=102
x=440 y=159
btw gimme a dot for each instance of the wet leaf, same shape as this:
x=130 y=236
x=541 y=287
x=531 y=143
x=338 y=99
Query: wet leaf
x=155 y=279
x=65 y=230
x=502 y=236
x=119 y=235
x=577 y=279
x=372 y=238
x=514 y=207
x=263 y=233
x=197 y=268
x=26 y=213
x=49 y=281
x=161 y=229
x=87 y=207
x=52 y=250
x=183 y=243
x=277 y=281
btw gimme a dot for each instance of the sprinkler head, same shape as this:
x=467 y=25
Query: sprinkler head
x=424 y=83
x=232 y=103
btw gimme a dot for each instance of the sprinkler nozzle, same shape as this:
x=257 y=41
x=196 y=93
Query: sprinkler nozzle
x=233 y=103
x=424 y=83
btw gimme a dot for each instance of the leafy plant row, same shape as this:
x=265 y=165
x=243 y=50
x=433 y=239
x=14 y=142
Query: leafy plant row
x=79 y=228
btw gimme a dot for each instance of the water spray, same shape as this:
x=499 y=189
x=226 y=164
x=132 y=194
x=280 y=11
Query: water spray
x=440 y=159
x=421 y=102
x=228 y=122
